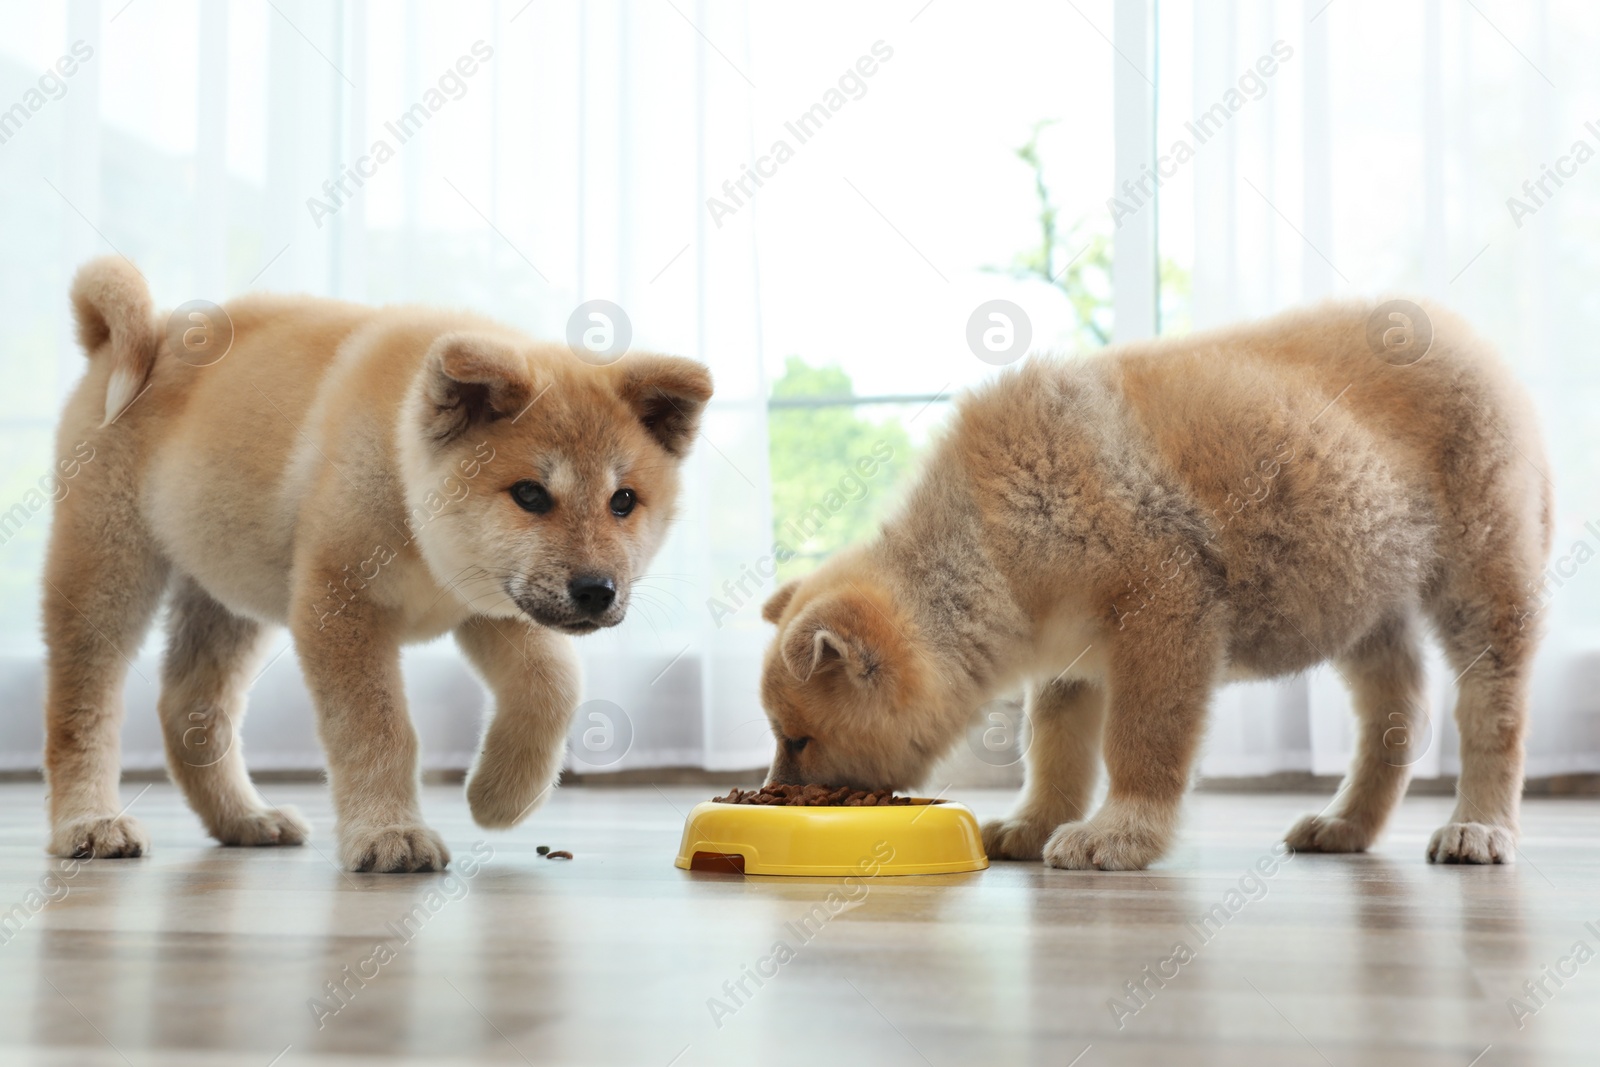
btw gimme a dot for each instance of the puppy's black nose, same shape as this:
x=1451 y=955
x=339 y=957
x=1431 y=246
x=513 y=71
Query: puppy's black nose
x=592 y=594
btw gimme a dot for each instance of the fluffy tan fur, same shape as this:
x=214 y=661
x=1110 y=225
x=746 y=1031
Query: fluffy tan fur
x=1126 y=532
x=344 y=472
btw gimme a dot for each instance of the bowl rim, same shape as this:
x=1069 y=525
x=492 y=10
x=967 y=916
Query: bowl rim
x=916 y=802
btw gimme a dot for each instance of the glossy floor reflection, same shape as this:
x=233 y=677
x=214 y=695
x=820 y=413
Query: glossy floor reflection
x=202 y=955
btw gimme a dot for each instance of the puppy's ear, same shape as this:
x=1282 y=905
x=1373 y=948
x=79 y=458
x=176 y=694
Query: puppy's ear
x=667 y=393
x=772 y=610
x=472 y=378
x=846 y=631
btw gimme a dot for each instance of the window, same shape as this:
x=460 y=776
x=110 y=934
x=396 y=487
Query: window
x=972 y=165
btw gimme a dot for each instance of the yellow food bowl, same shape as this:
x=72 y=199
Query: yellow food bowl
x=923 y=837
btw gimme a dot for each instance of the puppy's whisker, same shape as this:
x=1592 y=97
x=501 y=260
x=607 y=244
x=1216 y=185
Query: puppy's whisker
x=648 y=578
x=645 y=597
x=453 y=583
x=669 y=611
x=462 y=588
x=645 y=615
x=486 y=594
x=644 y=601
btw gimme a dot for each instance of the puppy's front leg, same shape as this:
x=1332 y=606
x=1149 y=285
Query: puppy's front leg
x=351 y=661
x=534 y=676
x=1065 y=717
x=1162 y=667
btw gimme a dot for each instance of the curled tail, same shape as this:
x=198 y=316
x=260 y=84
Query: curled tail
x=112 y=304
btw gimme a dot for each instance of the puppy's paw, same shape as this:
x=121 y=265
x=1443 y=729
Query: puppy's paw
x=269 y=826
x=393 y=849
x=1107 y=846
x=1326 y=833
x=501 y=802
x=1472 y=842
x=1016 y=838
x=100 y=837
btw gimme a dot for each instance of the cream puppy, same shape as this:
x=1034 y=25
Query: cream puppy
x=366 y=478
x=1128 y=531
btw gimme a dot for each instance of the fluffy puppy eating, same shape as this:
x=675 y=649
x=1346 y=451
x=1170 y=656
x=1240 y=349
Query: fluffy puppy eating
x=367 y=478
x=1124 y=533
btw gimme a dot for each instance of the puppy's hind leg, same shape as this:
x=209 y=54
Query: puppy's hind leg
x=1065 y=718
x=103 y=582
x=1492 y=650
x=1387 y=681
x=210 y=661
x=533 y=674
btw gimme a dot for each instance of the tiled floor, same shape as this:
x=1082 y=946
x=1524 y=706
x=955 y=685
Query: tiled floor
x=203 y=955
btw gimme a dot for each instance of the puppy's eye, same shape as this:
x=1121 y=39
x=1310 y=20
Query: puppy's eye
x=531 y=496
x=622 y=502
x=796 y=745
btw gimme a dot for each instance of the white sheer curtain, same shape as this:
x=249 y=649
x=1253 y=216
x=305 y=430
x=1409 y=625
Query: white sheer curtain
x=574 y=163
x=559 y=156
x=1382 y=156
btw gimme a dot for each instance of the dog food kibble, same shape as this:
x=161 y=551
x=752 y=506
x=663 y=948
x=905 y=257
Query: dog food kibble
x=820 y=796
x=558 y=854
